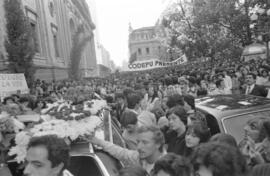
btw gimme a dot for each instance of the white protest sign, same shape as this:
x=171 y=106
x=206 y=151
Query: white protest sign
x=11 y=83
x=154 y=63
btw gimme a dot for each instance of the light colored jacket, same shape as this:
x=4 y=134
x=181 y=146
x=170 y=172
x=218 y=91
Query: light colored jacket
x=129 y=157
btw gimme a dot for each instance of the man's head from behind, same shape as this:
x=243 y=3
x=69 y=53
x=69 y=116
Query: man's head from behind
x=46 y=156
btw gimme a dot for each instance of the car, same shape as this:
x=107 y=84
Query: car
x=88 y=160
x=230 y=113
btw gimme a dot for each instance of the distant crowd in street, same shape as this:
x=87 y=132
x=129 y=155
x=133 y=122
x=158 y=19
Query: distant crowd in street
x=156 y=112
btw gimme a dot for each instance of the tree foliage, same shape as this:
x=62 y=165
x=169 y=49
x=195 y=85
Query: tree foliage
x=78 y=45
x=210 y=28
x=19 y=43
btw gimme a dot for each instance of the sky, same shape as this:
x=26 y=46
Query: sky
x=113 y=18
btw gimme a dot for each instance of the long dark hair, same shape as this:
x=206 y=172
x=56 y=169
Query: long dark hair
x=155 y=95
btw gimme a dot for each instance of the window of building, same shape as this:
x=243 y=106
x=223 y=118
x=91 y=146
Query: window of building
x=147 y=50
x=139 y=51
x=51 y=8
x=32 y=17
x=55 y=41
x=34 y=32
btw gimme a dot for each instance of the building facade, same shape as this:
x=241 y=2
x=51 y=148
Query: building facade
x=107 y=65
x=144 y=44
x=2 y=34
x=54 y=23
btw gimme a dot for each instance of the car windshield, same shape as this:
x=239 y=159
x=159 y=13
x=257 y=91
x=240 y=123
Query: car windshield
x=235 y=125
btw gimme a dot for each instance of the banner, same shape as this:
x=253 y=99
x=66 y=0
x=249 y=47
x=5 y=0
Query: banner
x=11 y=84
x=154 y=63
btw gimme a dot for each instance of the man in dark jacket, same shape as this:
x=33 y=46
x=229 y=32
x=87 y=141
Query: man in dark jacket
x=252 y=88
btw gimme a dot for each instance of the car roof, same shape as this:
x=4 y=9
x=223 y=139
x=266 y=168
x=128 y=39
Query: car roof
x=222 y=106
x=81 y=148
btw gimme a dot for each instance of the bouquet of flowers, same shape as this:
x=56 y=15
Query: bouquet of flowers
x=65 y=111
x=65 y=121
x=9 y=126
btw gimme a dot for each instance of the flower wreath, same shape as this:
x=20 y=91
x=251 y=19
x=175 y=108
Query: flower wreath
x=61 y=119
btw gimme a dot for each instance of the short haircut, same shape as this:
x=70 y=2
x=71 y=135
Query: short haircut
x=223 y=159
x=24 y=100
x=128 y=118
x=158 y=134
x=119 y=95
x=58 y=150
x=218 y=83
x=127 y=91
x=224 y=138
x=132 y=100
x=252 y=74
x=175 y=100
x=172 y=164
x=200 y=130
x=180 y=112
x=190 y=100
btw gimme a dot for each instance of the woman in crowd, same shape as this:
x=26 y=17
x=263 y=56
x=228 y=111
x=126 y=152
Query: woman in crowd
x=175 y=137
x=264 y=147
x=152 y=98
x=254 y=135
x=196 y=134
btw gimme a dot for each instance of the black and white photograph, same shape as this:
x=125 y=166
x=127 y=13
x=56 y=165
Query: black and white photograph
x=134 y=88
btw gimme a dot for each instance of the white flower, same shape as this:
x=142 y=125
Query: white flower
x=22 y=138
x=64 y=129
x=254 y=17
x=268 y=12
x=261 y=10
x=17 y=125
x=20 y=153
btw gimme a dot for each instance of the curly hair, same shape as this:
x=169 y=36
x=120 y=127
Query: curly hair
x=58 y=150
x=133 y=171
x=180 y=112
x=172 y=164
x=224 y=160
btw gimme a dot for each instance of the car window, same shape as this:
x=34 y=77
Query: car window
x=84 y=166
x=112 y=165
x=235 y=125
x=116 y=134
x=117 y=138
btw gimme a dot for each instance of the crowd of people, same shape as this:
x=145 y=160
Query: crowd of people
x=164 y=134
